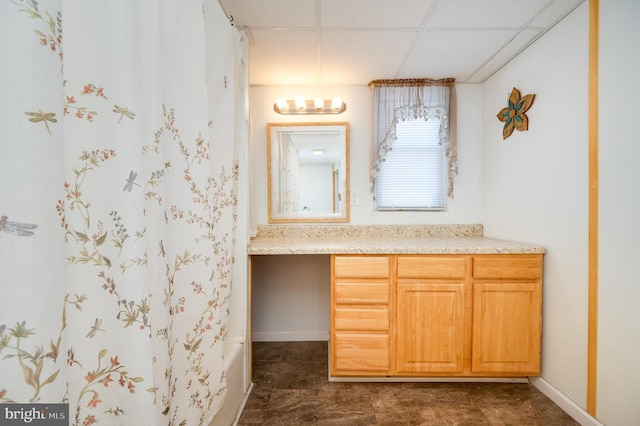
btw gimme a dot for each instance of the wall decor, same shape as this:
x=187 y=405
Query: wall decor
x=514 y=115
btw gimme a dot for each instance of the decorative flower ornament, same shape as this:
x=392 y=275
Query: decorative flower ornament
x=514 y=114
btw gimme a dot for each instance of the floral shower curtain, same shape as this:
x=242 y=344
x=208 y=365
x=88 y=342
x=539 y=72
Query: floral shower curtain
x=117 y=217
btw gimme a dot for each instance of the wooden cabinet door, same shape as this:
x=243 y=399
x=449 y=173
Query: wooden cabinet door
x=430 y=327
x=507 y=323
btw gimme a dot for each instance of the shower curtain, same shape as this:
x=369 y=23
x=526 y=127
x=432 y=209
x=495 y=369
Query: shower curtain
x=118 y=207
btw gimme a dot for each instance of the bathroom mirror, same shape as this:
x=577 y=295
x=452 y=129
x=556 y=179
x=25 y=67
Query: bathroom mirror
x=308 y=172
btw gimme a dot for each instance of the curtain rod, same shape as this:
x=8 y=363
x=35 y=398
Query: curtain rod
x=413 y=82
x=226 y=13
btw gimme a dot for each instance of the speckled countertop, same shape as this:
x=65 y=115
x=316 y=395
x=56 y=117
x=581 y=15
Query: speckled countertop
x=387 y=239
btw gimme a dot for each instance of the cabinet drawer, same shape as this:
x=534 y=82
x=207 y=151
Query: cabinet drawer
x=511 y=267
x=361 y=266
x=361 y=293
x=362 y=319
x=431 y=267
x=360 y=354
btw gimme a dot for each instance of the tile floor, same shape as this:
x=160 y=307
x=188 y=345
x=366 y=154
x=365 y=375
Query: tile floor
x=291 y=388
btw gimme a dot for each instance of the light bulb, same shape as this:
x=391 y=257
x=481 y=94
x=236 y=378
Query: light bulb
x=319 y=103
x=300 y=103
x=281 y=103
x=336 y=103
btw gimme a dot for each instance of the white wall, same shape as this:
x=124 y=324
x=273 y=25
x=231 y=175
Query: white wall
x=618 y=389
x=286 y=307
x=463 y=209
x=316 y=187
x=290 y=298
x=535 y=186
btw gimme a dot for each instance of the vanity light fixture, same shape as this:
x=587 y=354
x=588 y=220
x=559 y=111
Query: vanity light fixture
x=304 y=106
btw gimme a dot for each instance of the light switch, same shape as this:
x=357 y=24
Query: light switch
x=354 y=198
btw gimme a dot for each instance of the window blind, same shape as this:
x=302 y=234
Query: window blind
x=413 y=177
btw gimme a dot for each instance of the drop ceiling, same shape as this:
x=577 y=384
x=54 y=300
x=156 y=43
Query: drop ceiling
x=351 y=42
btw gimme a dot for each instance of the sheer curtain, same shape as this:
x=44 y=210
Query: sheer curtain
x=118 y=218
x=404 y=99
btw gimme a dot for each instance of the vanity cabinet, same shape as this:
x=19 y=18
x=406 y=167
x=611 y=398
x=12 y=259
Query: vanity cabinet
x=436 y=315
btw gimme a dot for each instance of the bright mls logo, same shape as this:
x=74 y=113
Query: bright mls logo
x=37 y=414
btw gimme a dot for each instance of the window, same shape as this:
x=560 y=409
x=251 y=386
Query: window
x=414 y=160
x=412 y=175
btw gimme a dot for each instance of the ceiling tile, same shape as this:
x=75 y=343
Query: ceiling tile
x=484 y=13
x=362 y=40
x=374 y=13
x=283 y=57
x=272 y=13
x=553 y=12
x=441 y=54
x=357 y=57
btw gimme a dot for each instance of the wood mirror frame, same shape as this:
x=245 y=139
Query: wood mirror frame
x=308 y=172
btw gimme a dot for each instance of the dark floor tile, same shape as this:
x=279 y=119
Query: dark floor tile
x=429 y=404
x=327 y=406
x=291 y=388
x=279 y=375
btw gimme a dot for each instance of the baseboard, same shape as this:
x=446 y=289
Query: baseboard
x=290 y=336
x=578 y=413
x=428 y=379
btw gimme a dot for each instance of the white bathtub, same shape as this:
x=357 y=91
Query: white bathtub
x=238 y=385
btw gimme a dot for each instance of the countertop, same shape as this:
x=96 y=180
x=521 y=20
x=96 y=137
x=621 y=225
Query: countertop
x=454 y=239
